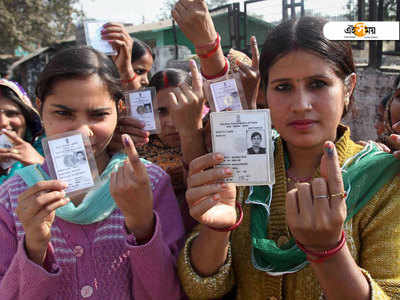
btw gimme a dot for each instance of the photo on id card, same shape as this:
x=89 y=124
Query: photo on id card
x=226 y=93
x=142 y=106
x=70 y=159
x=245 y=140
x=5 y=143
x=93 y=37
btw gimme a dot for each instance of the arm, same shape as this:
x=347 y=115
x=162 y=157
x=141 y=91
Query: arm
x=195 y=22
x=154 y=263
x=20 y=277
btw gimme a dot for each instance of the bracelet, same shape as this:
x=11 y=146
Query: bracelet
x=220 y=74
x=234 y=226
x=130 y=79
x=208 y=54
x=321 y=256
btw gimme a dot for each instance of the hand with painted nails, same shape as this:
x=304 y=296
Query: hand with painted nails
x=131 y=189
x=122 y=42
x=316 y=211
x=21 y=150
x=211 y=202
x=36 y=211
x=187 y=103
x=131 y=126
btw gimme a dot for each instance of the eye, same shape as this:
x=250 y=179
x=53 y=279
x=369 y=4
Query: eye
x=63 y=113
x=100 y=115
x=140 y=71
x=12 y=113
x=317 y=84
x=163 y=111
x=283 y=87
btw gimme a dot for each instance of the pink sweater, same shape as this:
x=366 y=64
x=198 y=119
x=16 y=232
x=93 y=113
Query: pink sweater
x=97 y=261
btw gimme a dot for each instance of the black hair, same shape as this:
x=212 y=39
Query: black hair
x=254 y=134
x=139 y=49
x=170 y=78
x=305 y=33
x=79 y=62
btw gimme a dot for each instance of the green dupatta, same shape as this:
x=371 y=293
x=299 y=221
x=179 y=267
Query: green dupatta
x=364 y=175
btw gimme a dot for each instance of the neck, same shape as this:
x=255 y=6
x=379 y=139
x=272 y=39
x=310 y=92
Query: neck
x=102 y=161
x=304 y=161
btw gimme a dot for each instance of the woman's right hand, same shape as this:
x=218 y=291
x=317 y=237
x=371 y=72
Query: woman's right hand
x=36 y=211
x=211 y=202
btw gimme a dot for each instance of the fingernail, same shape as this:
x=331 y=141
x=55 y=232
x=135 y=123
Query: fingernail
x=62 y=193
x=219 y=157
x=227 y=171
x=329 y=150
x=216 y=197
x=4 y=130
x=64 y=184
x=125 y=140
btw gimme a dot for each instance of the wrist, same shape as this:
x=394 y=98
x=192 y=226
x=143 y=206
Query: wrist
x=36 y=251
x=142 y=229
x=191 y=131
x=127 y=74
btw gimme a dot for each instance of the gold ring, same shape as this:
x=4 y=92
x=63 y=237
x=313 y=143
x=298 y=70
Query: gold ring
x=341 y=195
x=15 y=151
x=321 y=197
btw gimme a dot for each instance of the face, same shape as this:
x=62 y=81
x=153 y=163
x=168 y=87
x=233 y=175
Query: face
x=395 y=107
x=169 y=135
x=379 y=123
x=142 y=68
x=84 y=105
x=11 y=117
x=306 y=99
x=256 y=140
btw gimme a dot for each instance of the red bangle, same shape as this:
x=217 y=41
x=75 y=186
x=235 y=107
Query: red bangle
x=212 y=44
x=220 y=74
x=130 y=79
x=234 y=226
x=321 y=256
x=208 y=54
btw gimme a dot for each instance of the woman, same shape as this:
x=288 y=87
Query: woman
x=20 y=122
x=180 y=121
x=121 y=241
x=134 y=61
x=316 y=233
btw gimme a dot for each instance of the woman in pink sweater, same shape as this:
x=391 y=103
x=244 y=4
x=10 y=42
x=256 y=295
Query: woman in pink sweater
x=121 y=249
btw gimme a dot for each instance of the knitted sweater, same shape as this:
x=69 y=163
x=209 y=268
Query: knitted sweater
x=96 y=261
x=372 y=237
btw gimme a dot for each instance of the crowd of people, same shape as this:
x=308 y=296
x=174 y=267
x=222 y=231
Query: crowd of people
x=164 y=223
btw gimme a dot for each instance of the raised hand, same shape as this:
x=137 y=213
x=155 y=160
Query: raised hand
x=250 y=75
x=211 y=202
x=122 y=42
x=131 y=189
x=36 y=212
x=21 y=150
x=195 y=21
x=187 y=103
x=315 y=213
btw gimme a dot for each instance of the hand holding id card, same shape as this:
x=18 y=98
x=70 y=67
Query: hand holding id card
x=245 y=140
x=6 y=144
x=93 y=37
x=70 y=159
x=226 y=94
x=142 y=106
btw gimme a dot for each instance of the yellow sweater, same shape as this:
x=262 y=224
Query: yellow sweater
x=373 y=237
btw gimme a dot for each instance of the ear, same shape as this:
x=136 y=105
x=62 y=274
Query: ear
x=350 y=84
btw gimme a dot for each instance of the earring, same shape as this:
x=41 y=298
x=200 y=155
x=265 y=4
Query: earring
x=38 y=103
x=346 y=101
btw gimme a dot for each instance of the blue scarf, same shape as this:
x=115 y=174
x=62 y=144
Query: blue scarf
x=97 y=204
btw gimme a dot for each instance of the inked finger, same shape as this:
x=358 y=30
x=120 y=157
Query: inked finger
x=138 y=167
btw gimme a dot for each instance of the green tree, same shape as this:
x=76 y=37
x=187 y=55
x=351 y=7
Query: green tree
x=169 y=4
x=389 y=10
x=30 y=24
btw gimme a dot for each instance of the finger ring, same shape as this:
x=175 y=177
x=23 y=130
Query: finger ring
x=321 y=197
x=15 y=151
x=341 y=195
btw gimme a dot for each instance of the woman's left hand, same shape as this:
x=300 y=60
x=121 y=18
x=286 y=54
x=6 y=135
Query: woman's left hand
x=131 y=189
x=315 y=213
x=21 y=150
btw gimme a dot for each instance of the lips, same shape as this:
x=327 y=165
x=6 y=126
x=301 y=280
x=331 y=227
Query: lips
x=302 y=124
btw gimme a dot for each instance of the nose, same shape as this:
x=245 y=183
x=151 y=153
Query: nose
x=145 y=80
x=301 y=101
x=83 y=126
x=4 y=121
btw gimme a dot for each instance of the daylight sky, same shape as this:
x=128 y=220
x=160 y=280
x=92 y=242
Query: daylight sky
x=135 y=11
